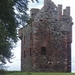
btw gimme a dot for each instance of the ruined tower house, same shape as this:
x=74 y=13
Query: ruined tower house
x=46 y=40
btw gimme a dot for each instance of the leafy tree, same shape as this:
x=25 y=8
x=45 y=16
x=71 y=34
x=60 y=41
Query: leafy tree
x=9 y=22
x=8 y=31
x=22 y=7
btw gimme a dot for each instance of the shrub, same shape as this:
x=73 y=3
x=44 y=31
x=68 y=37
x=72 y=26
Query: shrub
x=2 y=72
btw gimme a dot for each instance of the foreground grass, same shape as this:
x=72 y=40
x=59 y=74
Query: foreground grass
x=40 y=73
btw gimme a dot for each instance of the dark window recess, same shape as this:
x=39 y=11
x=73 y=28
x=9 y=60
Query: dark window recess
x=30 y=52
x=41 y=20
x=24 y=54
x=43 y=50
x=32 y=14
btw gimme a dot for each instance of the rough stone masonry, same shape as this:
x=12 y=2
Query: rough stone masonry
x=46 y=40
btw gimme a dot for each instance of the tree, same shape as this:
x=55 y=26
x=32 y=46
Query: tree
x=22 y=7
x=8 y=31
x=9 y=22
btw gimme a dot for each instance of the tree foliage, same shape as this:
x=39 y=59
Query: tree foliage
x=22 y=7
x=8 y=31
x=9 y=22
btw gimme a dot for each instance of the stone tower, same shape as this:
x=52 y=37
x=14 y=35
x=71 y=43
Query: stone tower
x=46 y=41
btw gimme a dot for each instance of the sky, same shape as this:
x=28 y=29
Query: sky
x=16 y=63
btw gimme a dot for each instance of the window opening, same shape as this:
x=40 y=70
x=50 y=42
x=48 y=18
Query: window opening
x=43 y=50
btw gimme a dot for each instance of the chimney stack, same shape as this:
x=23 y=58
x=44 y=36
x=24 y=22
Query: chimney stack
x=60 y=11
x=66 y=11
x=46 y=1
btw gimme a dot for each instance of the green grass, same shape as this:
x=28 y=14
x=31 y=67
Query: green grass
x=23 y=73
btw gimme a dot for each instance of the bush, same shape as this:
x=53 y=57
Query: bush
x=14 y=71
x=2 y=69
x=2 y=72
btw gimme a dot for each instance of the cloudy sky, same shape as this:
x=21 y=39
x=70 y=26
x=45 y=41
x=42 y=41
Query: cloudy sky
x=16 y=61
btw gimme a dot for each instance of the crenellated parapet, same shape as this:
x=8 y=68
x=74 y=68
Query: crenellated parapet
x=50 y=10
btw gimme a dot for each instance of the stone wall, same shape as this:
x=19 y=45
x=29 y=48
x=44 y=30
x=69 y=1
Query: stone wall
x=46 y=43
x=55 y=42
x=26 y=59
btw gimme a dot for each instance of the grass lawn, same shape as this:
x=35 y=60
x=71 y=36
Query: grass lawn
x=40 y=73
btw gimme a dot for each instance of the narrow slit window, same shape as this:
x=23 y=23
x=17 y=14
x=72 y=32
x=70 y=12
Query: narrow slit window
x=43 y=50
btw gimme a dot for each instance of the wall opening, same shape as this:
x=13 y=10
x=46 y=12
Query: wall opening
x=43 y=50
